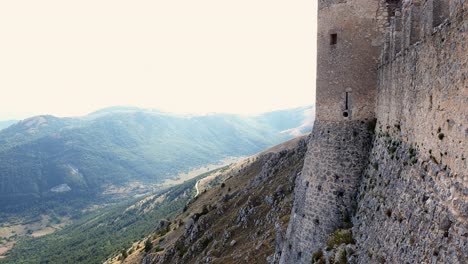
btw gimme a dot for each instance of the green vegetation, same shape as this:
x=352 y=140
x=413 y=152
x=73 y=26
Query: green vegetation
x=121 y=145
x=148 y=245
x=342 y=258
x=158 y=249
x=340 y=236
x=318 y=258
x=98 y=235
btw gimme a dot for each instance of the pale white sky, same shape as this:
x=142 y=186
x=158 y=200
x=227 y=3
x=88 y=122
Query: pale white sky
x=70 y=58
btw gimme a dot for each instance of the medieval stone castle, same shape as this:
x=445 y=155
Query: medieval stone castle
x=388 y=149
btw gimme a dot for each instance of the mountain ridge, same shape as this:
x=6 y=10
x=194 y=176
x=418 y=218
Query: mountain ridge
x=43 y=152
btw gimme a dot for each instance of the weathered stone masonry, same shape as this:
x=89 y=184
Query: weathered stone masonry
x=405 y=63
x=348 y=52
x=325 y=193
x=413 y=197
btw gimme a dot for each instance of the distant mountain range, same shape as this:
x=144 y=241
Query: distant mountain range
x=44 y=156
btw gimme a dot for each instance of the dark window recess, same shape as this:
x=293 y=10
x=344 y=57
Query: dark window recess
x=333 y=39
x=346 y=103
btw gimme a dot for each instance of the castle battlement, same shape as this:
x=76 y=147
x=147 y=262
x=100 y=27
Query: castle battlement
x=413 y=21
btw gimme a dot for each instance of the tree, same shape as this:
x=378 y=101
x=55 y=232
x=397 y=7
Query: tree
x=148 y=245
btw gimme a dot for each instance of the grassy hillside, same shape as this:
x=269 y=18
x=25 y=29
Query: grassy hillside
x=46 y=158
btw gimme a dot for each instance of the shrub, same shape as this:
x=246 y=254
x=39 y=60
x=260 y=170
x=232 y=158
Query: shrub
x=124 y=254
x=342 y=258
x=205 y=242
x=223 y=185
x=148 y=245
x=158 y=249
x=205 y=210
x=340 y=236
x=318 y=257
x=441 y=136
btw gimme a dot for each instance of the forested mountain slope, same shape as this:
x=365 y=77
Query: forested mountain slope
x=46 y=157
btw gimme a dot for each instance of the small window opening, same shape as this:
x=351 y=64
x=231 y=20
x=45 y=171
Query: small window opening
x=346 y=103
x=333 y=39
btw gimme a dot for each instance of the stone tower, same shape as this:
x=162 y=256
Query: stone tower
x=348 y=54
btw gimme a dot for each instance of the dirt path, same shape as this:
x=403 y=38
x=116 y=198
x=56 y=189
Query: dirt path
x=196 y=187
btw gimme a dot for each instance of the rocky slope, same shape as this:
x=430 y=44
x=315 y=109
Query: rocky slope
x=239 y=216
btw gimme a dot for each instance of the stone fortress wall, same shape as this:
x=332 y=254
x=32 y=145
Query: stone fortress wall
x=404 y=183
x=326 y=190
x=348 y=52
x=413 y=199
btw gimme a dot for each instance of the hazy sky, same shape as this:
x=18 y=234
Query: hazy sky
x=70 y=58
